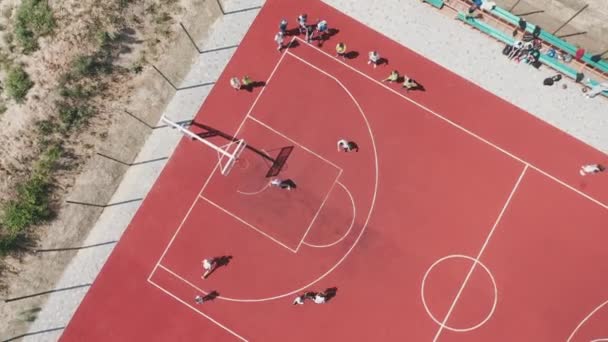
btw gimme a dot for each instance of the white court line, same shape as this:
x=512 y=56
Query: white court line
x=267 y=126
x=605 y=206
x=585 y=320
x=254 y=192
x=312 y=222
x=483 y=247
x=218 y=163
x=248 y=224
x=197 y=311
x=352 y=223
x=358 y=238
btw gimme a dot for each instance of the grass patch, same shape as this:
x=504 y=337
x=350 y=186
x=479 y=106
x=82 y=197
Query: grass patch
x=34 y=20
x=88 y=66
x=18 y=83
x=31 y=205
x=74 y=115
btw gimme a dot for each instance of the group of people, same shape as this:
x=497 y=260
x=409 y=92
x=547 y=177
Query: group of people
x=316 y=297
x=318 y=31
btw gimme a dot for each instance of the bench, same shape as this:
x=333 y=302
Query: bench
x=486 y=28
x=551 y=39
x=436 y=3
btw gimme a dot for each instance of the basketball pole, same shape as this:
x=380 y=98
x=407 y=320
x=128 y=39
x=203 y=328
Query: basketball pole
x=194 y=136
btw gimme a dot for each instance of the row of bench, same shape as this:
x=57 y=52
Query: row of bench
x=506 y=38
x=551 y=39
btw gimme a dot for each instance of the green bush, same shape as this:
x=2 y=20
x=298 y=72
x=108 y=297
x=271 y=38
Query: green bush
x=18 y=83
x=73 y=115
x=91 y=65
x=32 y=203
x=34 y=20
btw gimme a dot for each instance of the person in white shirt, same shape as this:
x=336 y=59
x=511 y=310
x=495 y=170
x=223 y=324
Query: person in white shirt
x=209 y=265
x=286 y=184
x=591 y=168
x=373 y=58
x=347 y=146
x=278 y=38
x=235 y=83
x=302 y=19
x=319 y=298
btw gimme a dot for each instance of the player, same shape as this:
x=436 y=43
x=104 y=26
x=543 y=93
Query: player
x=322 y=29
x=209 y=266
x=341 y=50
x=591 y=169
x=286 y=184
x=302 y=19
x=373 y=58
x=283 y=26
x=347 y=146
x=278 y=38
x=410 y=84
x=235 y=83
x=393 y=77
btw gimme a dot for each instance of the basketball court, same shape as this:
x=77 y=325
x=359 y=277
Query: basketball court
x=461 y=217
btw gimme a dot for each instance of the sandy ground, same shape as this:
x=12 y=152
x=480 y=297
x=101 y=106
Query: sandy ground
x=93 y=179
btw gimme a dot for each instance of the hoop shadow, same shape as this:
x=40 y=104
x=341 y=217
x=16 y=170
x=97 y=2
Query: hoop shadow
x=212 y=132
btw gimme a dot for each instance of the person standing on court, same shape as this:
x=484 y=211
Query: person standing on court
x=278 y=38
x=322 y=30
x=209 y=265
x=235 y=83
x=302 y=19
x=347 y=146
x=341 y=50
x=283 y=26
x=373 y=58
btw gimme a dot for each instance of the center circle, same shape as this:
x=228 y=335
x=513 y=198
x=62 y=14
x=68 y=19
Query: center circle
x=475 y=262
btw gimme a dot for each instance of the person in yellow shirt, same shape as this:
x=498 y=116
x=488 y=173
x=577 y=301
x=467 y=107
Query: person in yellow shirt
x=393 y=77
x=341 y=50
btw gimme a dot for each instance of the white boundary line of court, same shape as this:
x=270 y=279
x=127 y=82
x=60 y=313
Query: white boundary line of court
x=276 y=67
x=236 y=217
x=605 y=206
x=197 y=311
x=483 y=247
x=200 y=193
x=352 y=223
x=585 y=320
x=428 y=309
x=357 y=239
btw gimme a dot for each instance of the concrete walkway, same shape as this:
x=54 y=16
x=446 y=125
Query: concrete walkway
x=418 y=26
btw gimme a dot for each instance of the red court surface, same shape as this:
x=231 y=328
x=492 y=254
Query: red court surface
x=461 y=217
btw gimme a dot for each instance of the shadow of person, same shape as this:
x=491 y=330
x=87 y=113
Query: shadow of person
x=223 y=260
x=351 y=55
x=382 y=61
x=254 y=84
x=288 y=184
x=330 y=293
x=211 y=296
x=332 y=32
x=293 y=44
